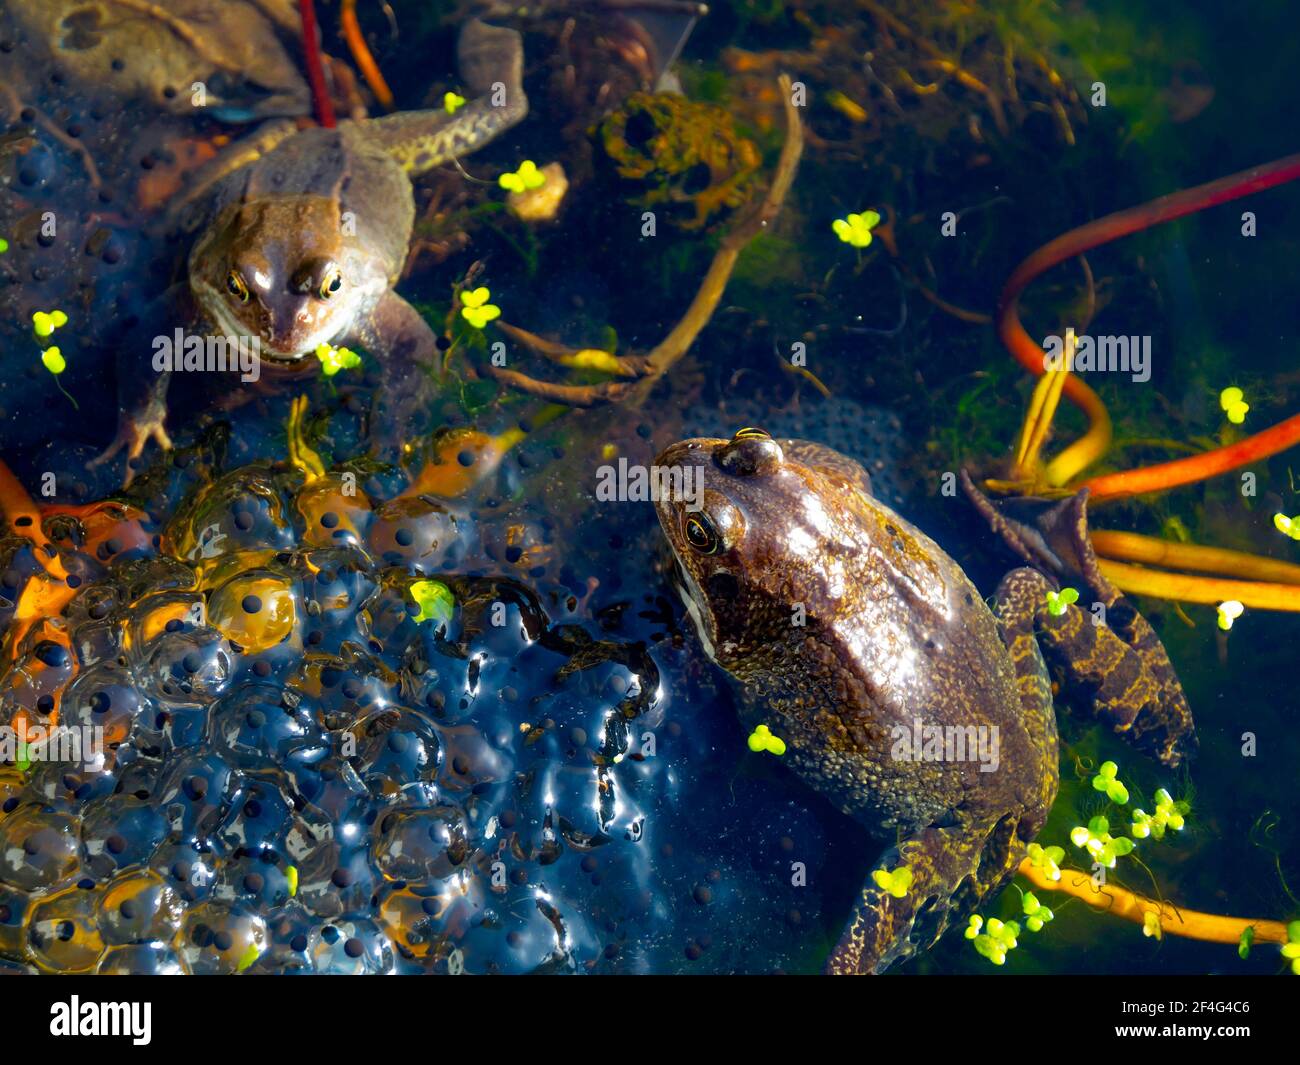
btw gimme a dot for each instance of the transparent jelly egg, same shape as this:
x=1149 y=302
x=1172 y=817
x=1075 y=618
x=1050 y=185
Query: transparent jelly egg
x=218 y=938
x=62 y=931
x=38 y=848
x=139 y=907
x=349 y=948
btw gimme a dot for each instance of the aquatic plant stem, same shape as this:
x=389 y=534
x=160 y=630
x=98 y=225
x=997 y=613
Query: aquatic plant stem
x=652 y=366
x=300 y=454
x=24 y=519
x=361 y=55
x=561 y=355
x=321 y=102
x=1151 y=550
x=1197 y=467
x=1190 y=924
x=1038 y=419
x=706 y=300
x=1083 y=452
x=1192 y=588
x=45 y=594
x=571 y=395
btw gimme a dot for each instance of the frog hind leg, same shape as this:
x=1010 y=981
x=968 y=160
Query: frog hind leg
x=406 y=350
x=1138 y=691
x=1111 y=673
x=1017 y=602
x=491 y=60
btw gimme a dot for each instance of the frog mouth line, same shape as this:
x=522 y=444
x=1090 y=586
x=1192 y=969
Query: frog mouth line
x=280 y=359
x=687 y=590
x=224 y=320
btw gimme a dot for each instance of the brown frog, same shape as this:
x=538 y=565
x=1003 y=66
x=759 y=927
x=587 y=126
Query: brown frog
x=303 y=244
x=897 y=691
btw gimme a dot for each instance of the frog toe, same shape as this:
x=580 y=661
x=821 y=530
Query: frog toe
x=132 y=436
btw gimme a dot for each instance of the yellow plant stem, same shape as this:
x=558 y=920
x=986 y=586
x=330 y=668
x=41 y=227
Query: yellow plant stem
x=1190 y=924
x=1190 y=588
x=1133 y=547
x=665 y=354
x=1090 y=447
x=1038 y=419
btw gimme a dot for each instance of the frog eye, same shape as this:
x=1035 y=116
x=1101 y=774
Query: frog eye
x=332 y=283
x=236 y=287
x=701 y=534
x=751 y=451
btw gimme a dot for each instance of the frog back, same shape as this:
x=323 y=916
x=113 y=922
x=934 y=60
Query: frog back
x=376 y=209
x=838 y=468
x=897 y=643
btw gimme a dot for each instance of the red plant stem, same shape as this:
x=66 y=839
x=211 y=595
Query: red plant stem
x=320 y=96
x=1197 y=467
x=1103 y=231
x=1121 y=224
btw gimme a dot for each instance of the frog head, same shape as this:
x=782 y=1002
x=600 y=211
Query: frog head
x=777 y=543
x=748 y=530
x=283 y=270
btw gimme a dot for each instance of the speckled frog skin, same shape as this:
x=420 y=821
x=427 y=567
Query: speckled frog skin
x=848 y=628
x=302 y=245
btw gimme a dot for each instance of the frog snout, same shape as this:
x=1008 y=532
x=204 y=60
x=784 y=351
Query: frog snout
x=287 y=330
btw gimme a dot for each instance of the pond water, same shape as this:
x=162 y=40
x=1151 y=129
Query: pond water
x=410 y=694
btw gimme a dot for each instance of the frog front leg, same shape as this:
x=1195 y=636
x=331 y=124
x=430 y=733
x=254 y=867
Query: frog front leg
x=885 y=927
x=141 y=389
x=401 y=340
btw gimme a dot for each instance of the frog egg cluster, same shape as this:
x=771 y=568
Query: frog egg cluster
x=309 y=746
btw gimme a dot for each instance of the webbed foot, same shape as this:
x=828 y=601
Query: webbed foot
x=132 y=435
x=1111 y=656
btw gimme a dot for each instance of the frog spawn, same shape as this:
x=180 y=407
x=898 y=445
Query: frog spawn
x=296 y=773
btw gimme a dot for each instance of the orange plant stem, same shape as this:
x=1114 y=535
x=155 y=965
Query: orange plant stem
x=25 y=519
x=44 y=595
x=362 y=57
x=1103 y=231
x=1193 y=588
x=1197 y=467
x=1190 y=924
